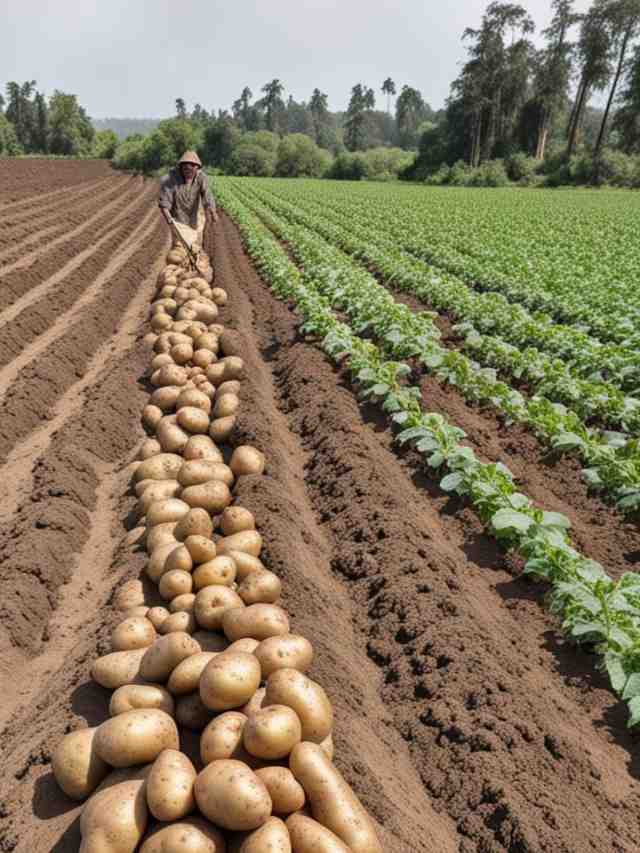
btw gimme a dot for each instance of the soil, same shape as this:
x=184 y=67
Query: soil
x=463 y=721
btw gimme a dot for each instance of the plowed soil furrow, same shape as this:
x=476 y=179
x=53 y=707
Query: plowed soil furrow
x=24 y=285
x=500 y=718
x=52 y=228
x=22 y=180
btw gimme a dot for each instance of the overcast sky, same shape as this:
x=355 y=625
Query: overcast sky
x=133 y=58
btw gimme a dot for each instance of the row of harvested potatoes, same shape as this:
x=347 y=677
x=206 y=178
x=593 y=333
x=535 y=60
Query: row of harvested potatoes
x=218 y=657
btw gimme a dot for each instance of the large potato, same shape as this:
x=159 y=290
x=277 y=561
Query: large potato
x=260 y=588
x=219 y=571
x=157 y=490
x=200 y=548
x=160 y=534
x=157 y=564
x=272 y=732
x=130 y=594
x=165 y=654
x=246 y=564
x=185 y=678
x=150 y=447
x=230 y=794
x=229 y=680
x=225 y=406
x=182 y=620
x=157 y=616
x=195 y=398
x=118 y=668
x=170 y=374
x=193 y=835
x=192 y=713
x=194 y=472
x=197 y=522
x=221 y=428
x=201 y=447
x=333 y=803
x=77 y=767
x=246 y=460
x=175 y=583
x=172 y=438
x=193 y=419
x=306 y=697
x=211 y=604
x=258 y=621
x=213 y=496
x=179 y=560
x=309 y=836
x=165 y=510
x=165 y=398
x=287 y=794
x=222 y=738
x=164 y=466
x=246 y=644
x=272 y=836
x=183 y=603
x=136 y=737
x=136 y=632
x=114 y=819
x=287 y=651
x=170 y=786
x=247 y=541
x=129 y=697
x=235 y=519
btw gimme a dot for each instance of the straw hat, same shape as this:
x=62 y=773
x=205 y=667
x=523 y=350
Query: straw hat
x=190 y=157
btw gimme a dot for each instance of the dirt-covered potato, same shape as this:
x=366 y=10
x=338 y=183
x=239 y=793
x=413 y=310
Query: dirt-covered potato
x=118 y=668
x=272 y=836
x=272 y=732
x=115 y=818
x=136 y=737
x=165 y=654
x=233 y=367
x=208 y=341
x=133 y=696
x=221 y=570
x=249 y=541
x=170 y=374
x=203 y=358
x=172 y=438
x=183 y=603
x=221 y=428
x=197 y=522
x=157 y=615
x=181 y=353
x=164 y=466
x=77 y=767
x=230 y=387
x=246 y=644
x=157 y=564
x=180 y=621
x=193 y=398
x=225 y=406
x=213 y=496
x=257 y=702
x=309 y=836
x=287 y=651
x=185 y=678
x=201 y=447
x=306 y=697
x=130 y=594
x=260 y=588
x=235 y=519
x=258 y=621
x=287 y=794
x=192 y=713
x=140 y=610
x=229 y=680
x=245 y=564
x=179 y=560
x=201 y=549
x=197 y=472
x=168 y=509
x=211 y=604
x=135 y=632
x=170 y=786
x=222 y=738
x=192 y=835
x=193 y=419
x=160 y=534
x=230 y=794
x=247 y=460
x=150 y=447
x=156 y=492
x=166 y=398
x=151 y=416
x=175 y=583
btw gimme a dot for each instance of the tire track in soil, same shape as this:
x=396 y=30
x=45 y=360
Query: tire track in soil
x=24 y=286
x=501 y=718
x=83 y=214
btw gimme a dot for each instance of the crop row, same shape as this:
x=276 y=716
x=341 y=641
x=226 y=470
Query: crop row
x=218 y=657
x=613 y=462
x=594 y=609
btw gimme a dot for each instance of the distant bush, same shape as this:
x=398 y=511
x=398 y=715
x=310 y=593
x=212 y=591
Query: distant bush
x=348 y=167
x=613 y=168
x=249 y=159
x=521 y=168
x=492 y=173
x=299 y=157
x=9 y=145
x=385 y=164
x=161 y=149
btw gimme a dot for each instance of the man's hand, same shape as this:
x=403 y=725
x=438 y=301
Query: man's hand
x=212 y=215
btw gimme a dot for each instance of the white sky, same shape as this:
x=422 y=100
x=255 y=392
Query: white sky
x=133 y=58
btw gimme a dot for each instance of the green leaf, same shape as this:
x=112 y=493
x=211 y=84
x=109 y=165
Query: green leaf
x=634 y=712
x=508 y=519
x=451 y=482
x=555 y=519
x=632 y=687
x=616 y=672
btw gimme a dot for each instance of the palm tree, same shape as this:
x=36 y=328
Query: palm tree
x=272 y=100
x=388 y=89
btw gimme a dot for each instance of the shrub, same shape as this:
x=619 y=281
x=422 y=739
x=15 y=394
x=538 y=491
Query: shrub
x=348 y=167
x=520 y=167
x=299 y=156
x=249 y=159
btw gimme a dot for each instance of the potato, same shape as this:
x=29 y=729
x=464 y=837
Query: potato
x=195 y=399
x=246 y=564
x=221 y=428
x=163 y=511
x=193 y=835
x=136 y=632
x=160 y=534
x=207 y=341
x=197 y=522
x=170 y=374
x=235 y=519
x=222 y=738
x=230 y=794
x=164 y=466
x=258 y=621
x=215 y=373
x=181 y=353
x=247 y=460
x=155 y=492
x=201 y=550
x=193 y=419
x=117 y=668
x=157 y=615
x=230 y=387
x=219 y=296
x=272 y=836
x=203 y=358
x=161 y=322
x=165 y=654
x=76 y=766
x=233 y=367
x=309 y=836
x=211 y=604
x=192 y=713
x=213 y=496
x=159 y=361
x=151 y=416
x=248 y=541
x=219 y=571
x=141 y=610
x=136 y=737
x=157 y=564
x=179 y=560
x=183 y=603
x=287 y=651
x=175 y=583
x=260 y=588
x=272 y=732
x=207 y=388
x=198 y=471
x=257 y=702
x=246 y=644
x=149 y=448
x=165 y=398
x=306 y=697
x=114 y=819
x=229 y=680
x=185 y=678
x=130 y=594
x=170 y=786
x=225 y=406
x=129 y=697
x=181 y=621
x=172 y=438
x=333 y=803
x=287 y=795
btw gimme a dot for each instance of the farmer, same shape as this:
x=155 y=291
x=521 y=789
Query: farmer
x=180 y=194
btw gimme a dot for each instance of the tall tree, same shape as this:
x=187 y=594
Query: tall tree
x=20 y=112
x=41 y=130
x=388 y=89
x=409 y=115
x=362 y=101
x=627 y=119
x=273 y=103
x=319 y=109
x=241 y=108
x=71 y=131
x=181 y=108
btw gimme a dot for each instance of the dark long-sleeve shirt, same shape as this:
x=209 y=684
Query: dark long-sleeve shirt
x=182 y=199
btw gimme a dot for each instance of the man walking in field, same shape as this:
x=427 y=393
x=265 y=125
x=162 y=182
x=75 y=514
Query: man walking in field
x=180 y=194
